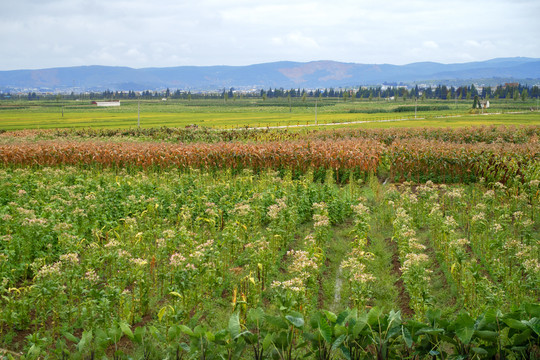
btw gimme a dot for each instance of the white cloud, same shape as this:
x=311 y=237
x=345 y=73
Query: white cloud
x=138 y=33
x=430 y=44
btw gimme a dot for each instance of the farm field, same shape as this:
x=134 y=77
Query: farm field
x=345 y=243
x=257 y=113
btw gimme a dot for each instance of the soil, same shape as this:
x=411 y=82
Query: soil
x=403 y=299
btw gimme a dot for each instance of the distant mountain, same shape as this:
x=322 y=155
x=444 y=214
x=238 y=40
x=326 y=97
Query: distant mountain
x=285 y=74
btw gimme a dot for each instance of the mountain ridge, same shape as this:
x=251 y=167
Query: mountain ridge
x=285 y=74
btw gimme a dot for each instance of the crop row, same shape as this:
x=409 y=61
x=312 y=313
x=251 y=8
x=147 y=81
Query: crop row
x=346 y=154
x=408 y=159
x=466 y=135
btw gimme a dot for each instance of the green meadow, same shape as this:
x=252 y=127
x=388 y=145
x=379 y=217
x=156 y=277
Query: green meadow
x=17 y=115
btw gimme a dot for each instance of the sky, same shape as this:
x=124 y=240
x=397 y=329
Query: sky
x=140 y=33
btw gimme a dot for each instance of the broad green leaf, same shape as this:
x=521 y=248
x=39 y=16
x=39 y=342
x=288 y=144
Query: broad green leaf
x=339 y=330
x=342 y=317
x=126 y=329
x=358 y=327
x=534 y=324
x=337 y=343
x=479 y=351
x=234 y=325
x=464 y=326
x=514 y=324
x=433 y=315
x=406 y=334
x=71 y=337
x=532 y=310
x=486 y=335
x=186 y=330
x=325 y=330
x=394 y=318
x=345 y=352
x=373 y=315
x=139 y=334
x=255 y=315
x=330 y=316
x=86 y=339
x=521 y=338
x=267 y=341
x=174 y=332
x=430 y=331
x=296 y=321
x=199 y=330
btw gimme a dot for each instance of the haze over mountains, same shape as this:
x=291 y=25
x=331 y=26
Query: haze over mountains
x=285 y=74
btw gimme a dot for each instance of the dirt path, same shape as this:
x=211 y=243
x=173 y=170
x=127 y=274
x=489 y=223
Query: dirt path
x=403 y=298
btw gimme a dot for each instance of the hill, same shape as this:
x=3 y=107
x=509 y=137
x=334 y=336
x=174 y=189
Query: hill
x=285 y=74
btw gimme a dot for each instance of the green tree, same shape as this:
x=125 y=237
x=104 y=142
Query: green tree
x=524 y=95
x=475 y=102
x=516 y=94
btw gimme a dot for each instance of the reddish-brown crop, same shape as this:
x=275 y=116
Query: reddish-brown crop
x=357 y=154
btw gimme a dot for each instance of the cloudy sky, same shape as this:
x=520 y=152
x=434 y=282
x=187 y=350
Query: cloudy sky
x=141 y=33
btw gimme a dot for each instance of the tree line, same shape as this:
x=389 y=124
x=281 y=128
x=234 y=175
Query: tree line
x=439 y=92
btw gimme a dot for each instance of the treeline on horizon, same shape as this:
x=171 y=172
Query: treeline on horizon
x=513 y=91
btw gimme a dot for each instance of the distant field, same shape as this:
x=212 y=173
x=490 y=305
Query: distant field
x=256 y=113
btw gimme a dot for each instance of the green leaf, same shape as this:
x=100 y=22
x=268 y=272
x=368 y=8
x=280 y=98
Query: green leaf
x=433 y=315
x=199 y=330
x=534 y=324
x=126 y=329
x=71 y=337
x=342 y=317
x=337 y=343
x=330 y=316
x=464 y=326
x=487 y=335
x=532 y=310
x=325 y=330
x=358 y=327
x=406 y=334
x=174 y=332
x=186 y=330
x=255 y=315
x=521 y=338
x=373 y=315
x=345 y=352
x=296 y=321
x=514 y=324
x=139 y=334
x=479 y=351
x=267 y=341
x=234 y=325
x=86 y=338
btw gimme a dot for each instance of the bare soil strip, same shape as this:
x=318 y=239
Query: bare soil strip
x=403 y=298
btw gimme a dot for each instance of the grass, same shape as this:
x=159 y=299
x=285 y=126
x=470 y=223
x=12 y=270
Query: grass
x=17 y=115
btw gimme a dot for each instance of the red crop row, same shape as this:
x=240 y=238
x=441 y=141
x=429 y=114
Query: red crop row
x=412 y=159
x=345 y=154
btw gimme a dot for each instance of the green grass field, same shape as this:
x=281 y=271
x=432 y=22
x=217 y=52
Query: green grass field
x=256 y=113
